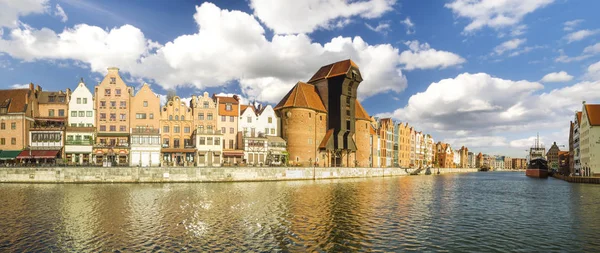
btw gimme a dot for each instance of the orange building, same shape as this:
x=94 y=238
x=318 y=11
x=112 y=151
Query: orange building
x=112 y=98
x=145 y=128
x=445 y=155
x=228 y=109
x=404 y=145
x=178 y=145
x=362 y=136
x=17 y=110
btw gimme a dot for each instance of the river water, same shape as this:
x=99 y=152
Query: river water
x=472 y=212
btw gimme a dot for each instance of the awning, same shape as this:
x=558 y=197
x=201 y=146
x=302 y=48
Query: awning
x=9 y=154
x=37 y=154
x=233 y=153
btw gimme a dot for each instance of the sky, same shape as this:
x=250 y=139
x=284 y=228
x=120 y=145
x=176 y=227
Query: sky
x=486 y=74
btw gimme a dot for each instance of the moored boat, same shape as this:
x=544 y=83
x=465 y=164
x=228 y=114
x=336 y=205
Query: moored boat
x=537 y=168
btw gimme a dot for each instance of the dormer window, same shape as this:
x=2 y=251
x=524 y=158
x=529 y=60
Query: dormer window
x=51 y=99
x=61 y=99
x=228 y=107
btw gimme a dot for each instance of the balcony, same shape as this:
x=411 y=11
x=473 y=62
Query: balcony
x=79 y=142
x=146 y=131
x=189 y=146
x=109 y=145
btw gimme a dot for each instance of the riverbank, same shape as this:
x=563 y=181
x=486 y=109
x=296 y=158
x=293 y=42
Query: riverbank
x=194 y=174
x=579 y=180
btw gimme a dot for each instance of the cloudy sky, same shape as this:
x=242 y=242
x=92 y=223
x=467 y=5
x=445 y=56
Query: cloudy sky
x=487 y=74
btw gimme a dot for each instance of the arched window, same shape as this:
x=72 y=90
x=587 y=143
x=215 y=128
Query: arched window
x=170 y=117
x=176 y=117
x=182 y=117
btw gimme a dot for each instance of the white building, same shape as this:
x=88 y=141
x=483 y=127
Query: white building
x=456 y=158
x=255 y=119
x=576 y=141
x=80 y=127
x=145 y=147
x=209 y=148
x=277 y=151
x=589 y=143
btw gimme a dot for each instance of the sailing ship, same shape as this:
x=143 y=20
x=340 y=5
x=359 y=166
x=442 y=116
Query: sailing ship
x=537 y=166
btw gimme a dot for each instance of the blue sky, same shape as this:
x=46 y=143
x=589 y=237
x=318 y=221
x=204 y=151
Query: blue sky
x=485 y=74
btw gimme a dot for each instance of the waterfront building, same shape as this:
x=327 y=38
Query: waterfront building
x=519 y=163
x=112 y=101
x=487 y=162
x=277 y=151
x=498 y=162
x=552 y=156
x=204 y=110
x=404 y=145
x=576 y=144
x=17 y=110
x=463 y=157
x=456 y=159
x=471 y=160
x=589 y=144
x=507 y=163
x=208 y=145
x=362 y=136
x=563 y=161
x=386 y=133
x=255 y=149
x=176 y=123
x=228 y=109
x=256 y=119
x=319 y=117
x=445 y=155
x=145 y=128
x=396 y=145
x=571 y=151
x=419 y=149
x=428 y=150
x=375 y=143
x=80 y=128
x=47 y=134
x=413 y=153
x=479 y=161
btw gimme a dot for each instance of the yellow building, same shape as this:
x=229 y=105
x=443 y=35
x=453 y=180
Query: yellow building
x=176 y=122
x=145 y=128
x=589 y=136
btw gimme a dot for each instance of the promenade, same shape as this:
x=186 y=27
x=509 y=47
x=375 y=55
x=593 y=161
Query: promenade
x=195 y=174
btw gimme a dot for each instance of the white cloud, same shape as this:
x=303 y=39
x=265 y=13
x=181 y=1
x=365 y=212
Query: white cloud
x=508 y=46
x=292 y=16
x=525 y=50
x=593 y=72
x=518 y=31
x=382 y=27
x=20 y=86
x=570 y=25
x=493 y=13
x=410 y=26
x=229 y=46
x=10 y=11
x=422 y=56
x=557 y=77
x=593 y=49
x=580 y=35
x=477 y=141
x=61 y=13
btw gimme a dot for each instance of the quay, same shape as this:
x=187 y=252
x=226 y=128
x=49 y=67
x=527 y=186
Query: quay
x=580 y=180
x=195 y=174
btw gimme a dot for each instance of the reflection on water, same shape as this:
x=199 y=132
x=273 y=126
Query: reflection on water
x=463 y=212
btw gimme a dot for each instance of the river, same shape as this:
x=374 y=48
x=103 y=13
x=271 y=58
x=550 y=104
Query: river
x=470 y=212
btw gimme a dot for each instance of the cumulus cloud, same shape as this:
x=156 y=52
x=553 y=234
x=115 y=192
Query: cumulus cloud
x=587 y=52
x=228 y=46
x=593 y=49
x=492 y=13
x=291 y=16
x=422 y=56
x=410 y=27
x=10 y=11
x=593 y=71
x=580 y=35
x=20 y=86
x=557 y=77
x=59 y=12
x=508 y=46
x=570 y=25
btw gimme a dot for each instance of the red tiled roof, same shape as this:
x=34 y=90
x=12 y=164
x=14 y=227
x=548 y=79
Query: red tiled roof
x=16 y=99
x=303 y=95
x=359 y=111
x=226 y=99
x=332 y=70
x=578 y=118
x=593 y=113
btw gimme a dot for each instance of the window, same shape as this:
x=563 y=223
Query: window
x=2 y=141
x=107 y=92
x=61 y=112
x=209 y=116
x=140 y=116
x=231 y=119
x=228 y=107
x=13 y=141
x=266 y=130
x=217 y=141
x=230 y=144
x=170 y=117
x=85 y=100
x=209 y=127
x=182 y=117
x=165 y=129
x=186 y=129
x=102 y=103
x=103 y=128
x=117 y=92
x=202 y=141
x=61 y=99
x=145 y=103
x=151 y=115
x=2 y=125
x=205 y=104
x=223 y=130
x=176 y=143
x=200 y=116
x=123 y=104
x=270 y=120
x=123 y=117
x=113 y=80
x=88 y=114
x=249 y=119
x=73 y=114
x=13 y=125
x=176 y=117
x=81 y=125
x=309 y=115
x=113 y=128
x=122 y=129
x=223 y=118
x=79 y=100
x=113 y=104
x=231 y=130
x=89 y=125
x=81 y=114
x=176 y=129
x=200 y=128
x=51 y=99
x=165 y=142
x=102 y=116
x=272 y=130
x=113 y=116
x=51 y=112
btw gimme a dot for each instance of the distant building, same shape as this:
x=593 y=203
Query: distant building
x=507 y=163
x=445 y=155
x=404 y=145
x=498 y=163
x=479 y=160
x=552 y=156
x=576 y=144
x=17 y=109
x=471 y=157
x=145 y=128
x=589 y=144
x=519 y=163
x=80 y=130
x=563 y=161
x=176 y=122
x=463 y=153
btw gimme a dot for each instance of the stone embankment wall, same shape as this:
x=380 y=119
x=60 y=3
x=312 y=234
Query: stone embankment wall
x=193 y=174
